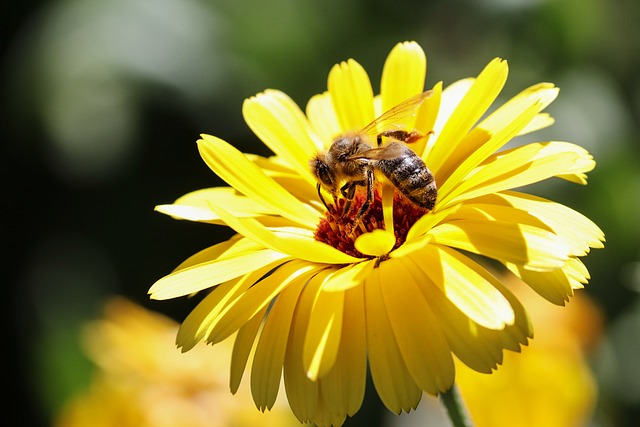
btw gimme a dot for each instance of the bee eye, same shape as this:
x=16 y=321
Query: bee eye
x=325 y=176
x=342 y=158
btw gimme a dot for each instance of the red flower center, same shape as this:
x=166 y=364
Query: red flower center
x=339 y=230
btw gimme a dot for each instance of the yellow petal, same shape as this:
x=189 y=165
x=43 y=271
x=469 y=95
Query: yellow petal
x=476 y=346
x=349 y=276
x=254 y=299
x=466 y=284
x=302 y=393
x=428 y=221
x=546 y=93
x=485 y=140
x=535 y=248
x=209 y=274
x=425 y=121
x=451 y=97
x=395 y=386
x=242 y=349
x=283 y=127
x=343 y=386
x=521 y=330
x=323 y=118
x=541 y=94
x=403 y=74
x=540 y=121
x=552 y=285
x=476 y=101
x=322 y=340
x=242 y=174
x=297 y=244
x=573 y=227
x=518 y=167
x=235 y=246
x=194 y=206
x=352 y=95
x=422 y=343
x=269 y=356
x=376 y=243
x=199 y=322
x=577 y=273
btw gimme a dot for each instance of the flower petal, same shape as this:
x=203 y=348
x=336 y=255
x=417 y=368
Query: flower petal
x=245 y=306
x=403 y=74
x=349 y=276
x=428 y=221
x=322 y=340
x=194 y=206
x=283 y=127
x=552 y=285
x=483 y=141
x=574 y=228
x=296 y=244
x=533 y=247
x=199 y=322
x=242 y=348
x=242 y=174
x=270 y=351
x=209 y=274
x=343 y=386
x=482 y=93
x=323 y=118
x=474 y=345
x=425 y=121
x=352 y=95
x=396 y=388
x=541 y=94
x=521 y=166
x=302 y=393
x=422 y=343
x=466 y=284
x=235 y=246
x=577 y=273
x=376 y=243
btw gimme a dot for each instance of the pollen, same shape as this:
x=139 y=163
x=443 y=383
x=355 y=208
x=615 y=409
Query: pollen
x=338 y=228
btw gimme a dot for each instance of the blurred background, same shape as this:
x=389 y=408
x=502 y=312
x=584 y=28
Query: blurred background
x=103 y=101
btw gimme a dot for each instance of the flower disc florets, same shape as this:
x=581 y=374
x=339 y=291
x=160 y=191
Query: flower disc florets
x=340 y=230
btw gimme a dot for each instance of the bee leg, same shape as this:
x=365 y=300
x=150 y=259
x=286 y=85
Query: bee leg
x=348 y=192
x=322 y=199
x=367 y=203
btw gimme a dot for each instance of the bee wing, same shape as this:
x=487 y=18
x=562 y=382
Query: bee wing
x=385 y=152
x=391 y=118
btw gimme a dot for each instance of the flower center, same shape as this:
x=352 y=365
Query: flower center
x=338 y=229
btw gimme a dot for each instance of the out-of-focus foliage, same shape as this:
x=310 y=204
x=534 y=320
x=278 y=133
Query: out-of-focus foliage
x=104 y=99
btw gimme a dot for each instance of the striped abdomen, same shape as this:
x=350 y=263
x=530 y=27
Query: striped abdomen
x=411 y=176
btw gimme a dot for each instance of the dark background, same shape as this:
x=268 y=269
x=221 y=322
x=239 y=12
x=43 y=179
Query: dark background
x=103 y=101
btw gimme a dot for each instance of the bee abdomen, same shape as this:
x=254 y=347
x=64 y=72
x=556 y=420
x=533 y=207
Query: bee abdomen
x=411 y=176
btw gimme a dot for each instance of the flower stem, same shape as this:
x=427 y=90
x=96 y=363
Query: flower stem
x=455 y=408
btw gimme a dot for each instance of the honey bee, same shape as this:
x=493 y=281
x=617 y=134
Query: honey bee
x=351 y=161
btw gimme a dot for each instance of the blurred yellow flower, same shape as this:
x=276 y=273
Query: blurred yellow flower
x=320 y=299
x=143 y=381
x=550 y=381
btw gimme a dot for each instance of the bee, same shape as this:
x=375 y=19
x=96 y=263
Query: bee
x=351 y=161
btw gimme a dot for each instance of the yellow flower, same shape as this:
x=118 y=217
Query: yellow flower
x=142 y=380
x=550 y=381
x=321 y=299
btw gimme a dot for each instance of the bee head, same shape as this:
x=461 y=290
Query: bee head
x=323 y=173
